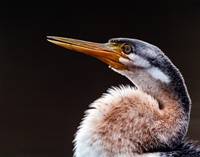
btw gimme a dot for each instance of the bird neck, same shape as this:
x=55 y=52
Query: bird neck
x=166 y=94
x=134 y=121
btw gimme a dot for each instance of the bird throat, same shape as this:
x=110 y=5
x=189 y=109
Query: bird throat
x=164 y=93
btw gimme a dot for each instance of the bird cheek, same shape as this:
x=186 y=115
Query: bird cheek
x=139 y=61
x=134 y=61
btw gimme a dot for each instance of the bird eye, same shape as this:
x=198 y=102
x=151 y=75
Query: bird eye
x=127 y=49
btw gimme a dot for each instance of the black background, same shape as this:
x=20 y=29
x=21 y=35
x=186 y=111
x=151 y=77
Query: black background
x=44 y=89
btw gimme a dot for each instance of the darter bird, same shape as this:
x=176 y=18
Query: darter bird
x=148 y=119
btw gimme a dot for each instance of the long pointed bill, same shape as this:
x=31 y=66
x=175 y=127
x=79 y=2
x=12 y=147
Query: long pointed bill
x=108 y=53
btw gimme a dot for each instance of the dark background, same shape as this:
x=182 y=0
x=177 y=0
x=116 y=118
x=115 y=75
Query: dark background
x=44 y=89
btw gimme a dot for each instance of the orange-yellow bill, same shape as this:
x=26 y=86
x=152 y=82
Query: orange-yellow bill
x=107 y=52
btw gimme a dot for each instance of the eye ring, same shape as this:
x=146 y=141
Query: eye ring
x=127 y=49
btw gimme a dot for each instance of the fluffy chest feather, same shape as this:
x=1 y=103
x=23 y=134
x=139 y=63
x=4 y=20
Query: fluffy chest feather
x=123 y=123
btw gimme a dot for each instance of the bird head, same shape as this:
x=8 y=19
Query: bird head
x=123 y=55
